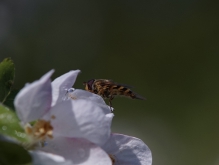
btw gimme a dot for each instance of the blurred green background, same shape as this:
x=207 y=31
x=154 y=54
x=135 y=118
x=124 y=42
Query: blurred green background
x=167 y=49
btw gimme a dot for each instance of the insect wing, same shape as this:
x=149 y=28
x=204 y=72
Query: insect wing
x=137 y=96
x=124 y=85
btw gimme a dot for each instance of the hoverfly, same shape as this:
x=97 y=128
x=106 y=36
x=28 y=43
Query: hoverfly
x=108 y=89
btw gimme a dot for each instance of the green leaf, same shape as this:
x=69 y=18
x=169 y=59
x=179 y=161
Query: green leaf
x=13 y=154
x=7 y=72
x=10 y=125
x=9 y=102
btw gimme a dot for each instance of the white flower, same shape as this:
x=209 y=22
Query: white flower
x=44 y=158
x=65 y=124
x=79 y=151
x=127 y=150
x=79 y=118
x=75 y=151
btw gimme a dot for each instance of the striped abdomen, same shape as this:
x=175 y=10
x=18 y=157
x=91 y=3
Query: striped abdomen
x=121 y=90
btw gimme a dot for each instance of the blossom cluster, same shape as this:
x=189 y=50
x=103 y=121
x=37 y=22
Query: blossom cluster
x=73 y=126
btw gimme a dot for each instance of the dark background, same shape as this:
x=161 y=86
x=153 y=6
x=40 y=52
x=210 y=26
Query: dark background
x=167 y=49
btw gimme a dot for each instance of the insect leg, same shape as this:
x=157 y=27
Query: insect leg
x=110 y=103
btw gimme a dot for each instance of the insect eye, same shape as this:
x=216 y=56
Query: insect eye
x=90 y=83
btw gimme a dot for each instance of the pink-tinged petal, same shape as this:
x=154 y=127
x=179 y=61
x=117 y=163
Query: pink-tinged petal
x=128 y=150
x=34 y=99
x=81 y=119
x=82 y=94
x=79 y=151
x=61 y=84
x=39 y=157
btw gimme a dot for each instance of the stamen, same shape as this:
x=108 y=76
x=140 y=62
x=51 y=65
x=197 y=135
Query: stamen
x=40 y=130
x=28 y=130
x=49 y=133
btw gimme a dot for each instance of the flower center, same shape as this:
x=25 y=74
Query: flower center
x=40 y=130
x=112 y=159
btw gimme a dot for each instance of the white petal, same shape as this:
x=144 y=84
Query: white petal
x=128 y=150
x=82 y=94
x=44 y=158
x=61 y=84
x=82 y=119
x=79 y=151
x=34 y=99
